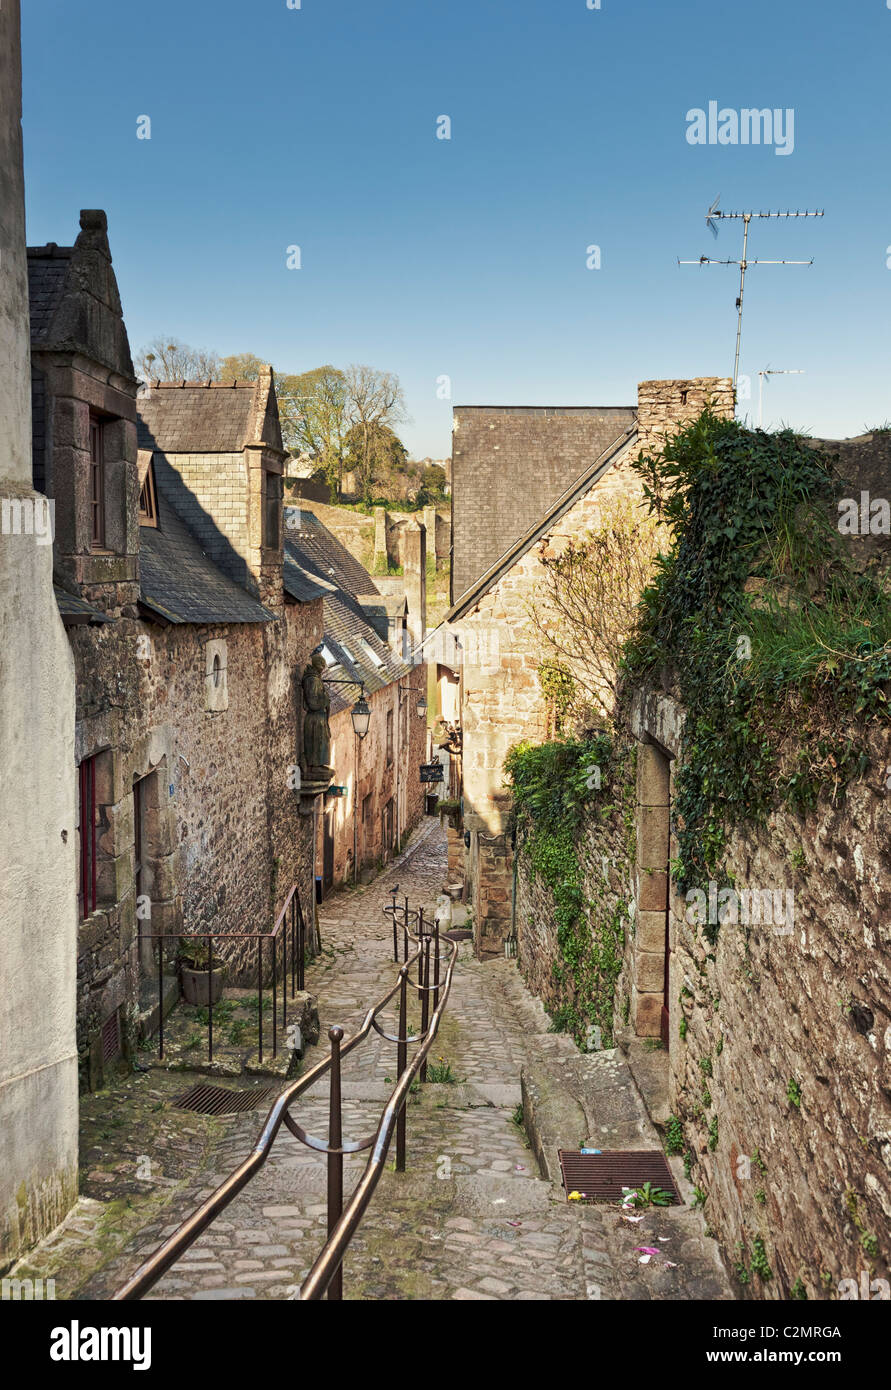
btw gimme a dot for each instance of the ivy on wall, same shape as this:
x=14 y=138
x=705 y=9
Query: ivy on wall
x=558 y=788
x=773 y=637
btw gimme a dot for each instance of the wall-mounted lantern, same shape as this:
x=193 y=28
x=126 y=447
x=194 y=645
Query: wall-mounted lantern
x=361 y=716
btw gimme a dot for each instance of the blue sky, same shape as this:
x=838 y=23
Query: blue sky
x=466 y=258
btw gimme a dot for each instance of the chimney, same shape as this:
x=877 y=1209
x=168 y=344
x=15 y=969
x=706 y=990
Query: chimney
x=663 y=407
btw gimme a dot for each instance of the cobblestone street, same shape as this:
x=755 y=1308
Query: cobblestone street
x=471 y=1218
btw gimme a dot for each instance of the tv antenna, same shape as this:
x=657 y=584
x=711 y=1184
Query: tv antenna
x=774 y=371
x=712 y=218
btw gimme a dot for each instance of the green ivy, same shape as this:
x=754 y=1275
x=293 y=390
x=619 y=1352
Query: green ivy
x=755 y=559
x=555 y=789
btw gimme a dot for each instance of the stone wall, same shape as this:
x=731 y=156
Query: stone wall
x=663 y=406
x=501 y=699
x=374 y=779
x=780 y=1044
x=586 y=991
x=38 y=1061
x=224 y=837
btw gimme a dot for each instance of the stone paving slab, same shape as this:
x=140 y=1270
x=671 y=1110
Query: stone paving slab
x=471 y=1219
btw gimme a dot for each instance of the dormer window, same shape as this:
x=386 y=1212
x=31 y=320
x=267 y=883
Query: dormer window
x=148 y=500
x=97 y=482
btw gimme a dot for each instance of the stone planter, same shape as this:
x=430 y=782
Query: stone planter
x=195 y=985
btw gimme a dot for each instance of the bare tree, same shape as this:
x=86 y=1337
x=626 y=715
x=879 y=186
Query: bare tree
x=167 y=359
x=585 y=608
x=373 y=399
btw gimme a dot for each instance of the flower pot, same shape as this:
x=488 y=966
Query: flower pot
x=195 y=985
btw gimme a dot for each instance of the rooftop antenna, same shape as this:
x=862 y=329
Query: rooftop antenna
x=712 y=218
x=774 y=371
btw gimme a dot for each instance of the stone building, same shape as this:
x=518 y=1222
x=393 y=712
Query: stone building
x=559 y=470
x=773 y=1057
x=377 y=797
x=510 y=465
x=187 y=650
x=38 y=1055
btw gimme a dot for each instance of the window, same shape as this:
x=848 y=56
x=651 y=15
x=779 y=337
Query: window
x=389 y=735
x=148 y=501
x=86 y=829
x=369 y=651
x=97 y=482
x=272 y=510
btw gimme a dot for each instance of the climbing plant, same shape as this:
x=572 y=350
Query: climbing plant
x=557 y=786
x=773 y=638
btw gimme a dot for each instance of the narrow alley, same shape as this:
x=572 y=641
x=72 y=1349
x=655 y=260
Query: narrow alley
x=471 y=1218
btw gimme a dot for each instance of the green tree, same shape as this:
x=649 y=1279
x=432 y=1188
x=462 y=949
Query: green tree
x=317 y=420
x=383 y=453
x=374 y=403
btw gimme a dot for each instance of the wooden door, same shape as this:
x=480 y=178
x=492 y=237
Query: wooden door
x=328 y=852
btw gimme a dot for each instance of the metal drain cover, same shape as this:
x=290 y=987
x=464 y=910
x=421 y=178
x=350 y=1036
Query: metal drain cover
x=602 y=1177
x=219 y=1100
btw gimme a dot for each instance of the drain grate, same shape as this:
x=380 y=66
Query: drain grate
x=602 y=1177
x=218 y=1100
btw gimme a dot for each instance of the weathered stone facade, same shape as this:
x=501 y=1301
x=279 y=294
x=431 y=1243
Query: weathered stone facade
x=774 y=1013
x=38 y=1059
x=501 y=698
x=187 y=652
x=385 y=798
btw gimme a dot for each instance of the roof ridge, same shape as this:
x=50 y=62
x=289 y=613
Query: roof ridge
x=183 y=383
x=50 y=251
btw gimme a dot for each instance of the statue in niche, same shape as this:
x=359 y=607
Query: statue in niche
x=316 y=731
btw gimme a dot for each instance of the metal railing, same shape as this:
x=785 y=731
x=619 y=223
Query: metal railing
x=290 y=923
x=326 y=1274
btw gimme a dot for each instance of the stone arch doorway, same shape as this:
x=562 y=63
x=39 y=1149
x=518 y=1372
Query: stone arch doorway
x=651 y=960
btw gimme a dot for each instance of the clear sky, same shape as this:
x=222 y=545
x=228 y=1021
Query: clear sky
x=316 y=127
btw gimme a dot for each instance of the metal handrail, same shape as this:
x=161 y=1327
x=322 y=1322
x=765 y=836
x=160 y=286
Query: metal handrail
x=297 y=925
x=326 y=1273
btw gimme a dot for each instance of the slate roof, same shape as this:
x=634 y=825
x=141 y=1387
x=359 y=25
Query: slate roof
x=559 y=508
x=195 y=417
x=359 y=653
x=324 y=555
x=47 y=272
x=177 y=581
x=75 y=610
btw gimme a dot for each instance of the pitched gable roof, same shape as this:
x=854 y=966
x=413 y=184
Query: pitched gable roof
x=564 y=502
x=196 y=417
x=209 y=417
x=178 y=581
x=315 y=558
x=75 y=304
x=324 y=554
x=509 y=465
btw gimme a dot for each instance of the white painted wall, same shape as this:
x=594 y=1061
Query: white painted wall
x=38 y=926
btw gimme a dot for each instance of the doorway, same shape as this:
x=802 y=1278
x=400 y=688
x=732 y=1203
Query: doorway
x=142 y=876
x=328 y=851
x=651 y=978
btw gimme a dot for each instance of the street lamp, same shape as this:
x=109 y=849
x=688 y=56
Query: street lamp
x=361 y=716
x=421 y=706
x=360 y=713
